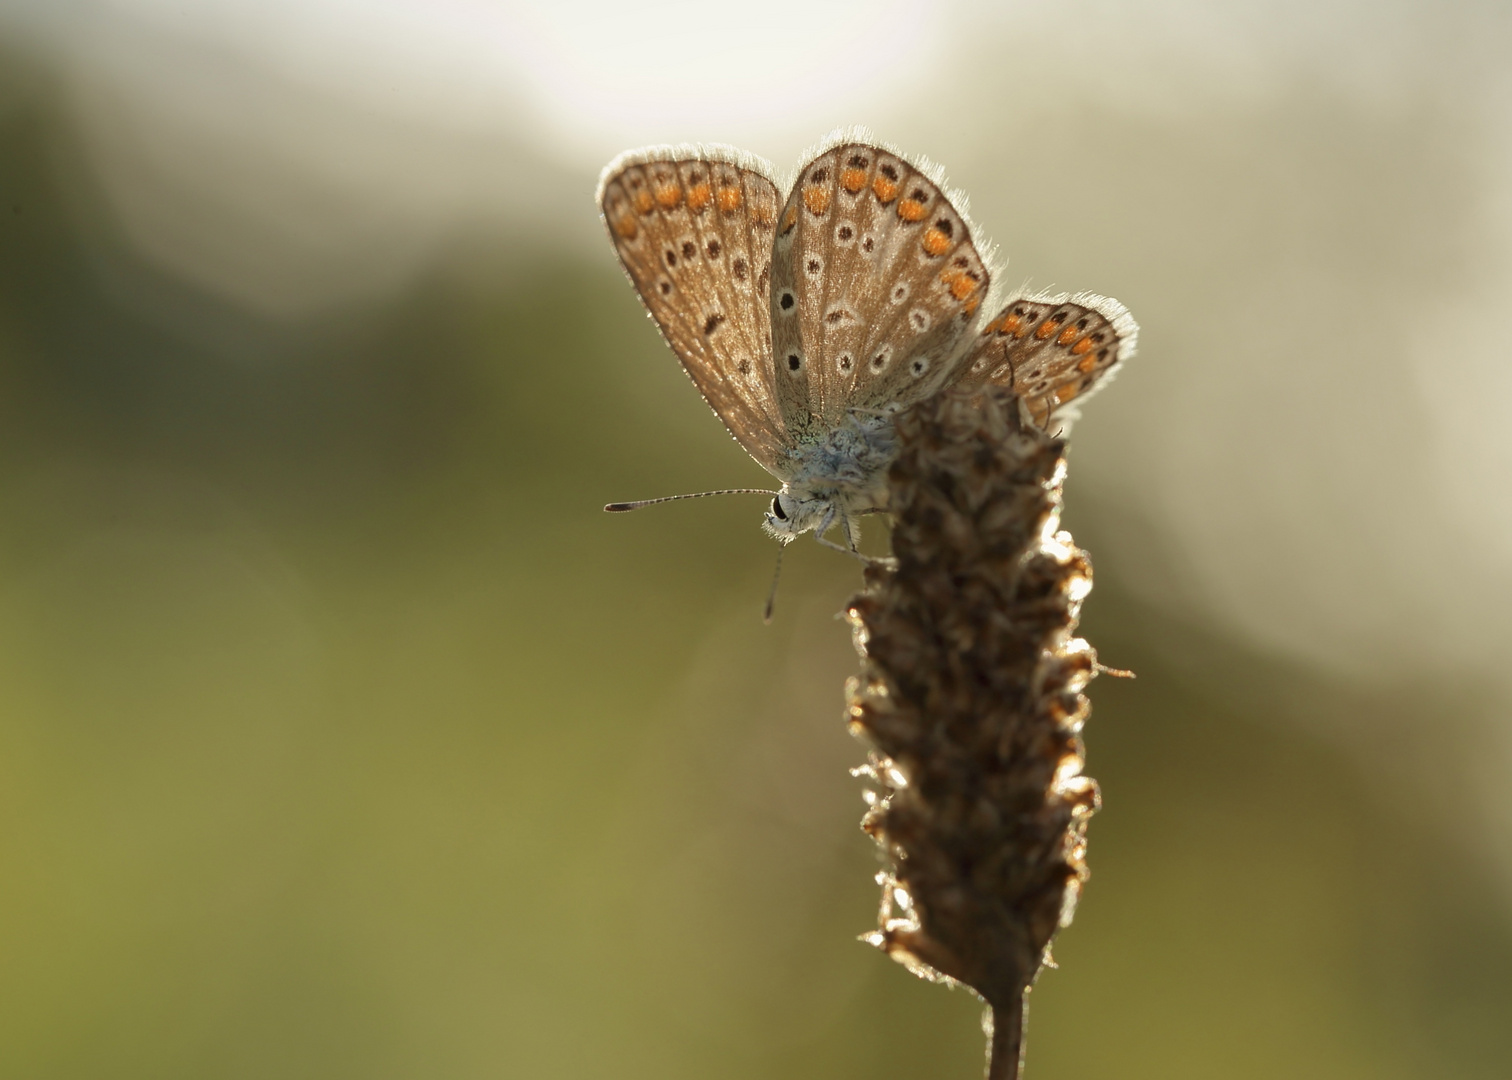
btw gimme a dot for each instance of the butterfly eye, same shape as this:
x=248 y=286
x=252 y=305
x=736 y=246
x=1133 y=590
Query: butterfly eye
x=777 y=510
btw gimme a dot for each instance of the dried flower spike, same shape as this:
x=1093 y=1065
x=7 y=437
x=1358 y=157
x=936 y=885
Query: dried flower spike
x=970 y=701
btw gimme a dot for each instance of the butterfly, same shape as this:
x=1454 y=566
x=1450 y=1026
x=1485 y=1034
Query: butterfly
x=808 y=321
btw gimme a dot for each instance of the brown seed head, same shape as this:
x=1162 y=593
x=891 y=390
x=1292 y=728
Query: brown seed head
x=970 y=698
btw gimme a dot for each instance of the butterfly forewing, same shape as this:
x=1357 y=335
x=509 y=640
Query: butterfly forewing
x=1052 y=350
x=875 y=282
x=695 y=235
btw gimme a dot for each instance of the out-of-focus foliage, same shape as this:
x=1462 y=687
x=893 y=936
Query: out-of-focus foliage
x=342 y=734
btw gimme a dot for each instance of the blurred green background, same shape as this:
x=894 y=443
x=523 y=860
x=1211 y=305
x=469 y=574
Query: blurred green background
x=341 y=734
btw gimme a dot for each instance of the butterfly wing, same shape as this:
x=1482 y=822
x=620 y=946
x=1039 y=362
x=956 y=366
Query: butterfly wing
x=875 y=283
x=693 y=228
x=1052 y=350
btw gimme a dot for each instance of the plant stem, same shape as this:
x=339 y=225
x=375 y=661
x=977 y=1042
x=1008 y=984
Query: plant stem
x=1007 y=1053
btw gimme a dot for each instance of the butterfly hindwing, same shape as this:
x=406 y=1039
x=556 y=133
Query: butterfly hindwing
x=693 y=228
x=875 y=283
x=1052 y=350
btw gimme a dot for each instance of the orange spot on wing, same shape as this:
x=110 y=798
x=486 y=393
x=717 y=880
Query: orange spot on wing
x=699 y=196
x=1066 y=393
x=728 y=199
x=886 y=190
x=911 y=210
x=972 y=304
x=626 y=227
x=669 y=195
x=789 y=220
x=961 y=284
x=1082 y=346
x=936 y=242
x=817 y=199
x=853 y=180
x=643 y=201
x=1086 y=363
x=991 y=328
x=1011 y=324
x=1046 y=328
x=1068 y=335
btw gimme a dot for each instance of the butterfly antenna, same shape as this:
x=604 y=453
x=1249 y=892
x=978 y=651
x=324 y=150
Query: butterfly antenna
x=766 y=616
x=622 y=507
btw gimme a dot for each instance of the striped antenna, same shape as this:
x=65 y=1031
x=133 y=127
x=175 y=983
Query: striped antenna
x=622 y=507
x=766 y=615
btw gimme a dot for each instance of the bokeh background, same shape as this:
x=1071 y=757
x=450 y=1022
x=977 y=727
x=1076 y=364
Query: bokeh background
x=341 y=734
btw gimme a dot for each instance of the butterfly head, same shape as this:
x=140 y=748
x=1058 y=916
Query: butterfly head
x=790 y=514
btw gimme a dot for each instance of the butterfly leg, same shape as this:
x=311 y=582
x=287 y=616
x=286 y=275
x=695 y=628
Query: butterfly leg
x=828 y=522
x=851 y=533
x=848 y=551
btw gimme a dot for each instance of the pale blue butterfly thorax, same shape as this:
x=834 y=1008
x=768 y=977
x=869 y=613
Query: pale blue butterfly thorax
x=835 y=478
